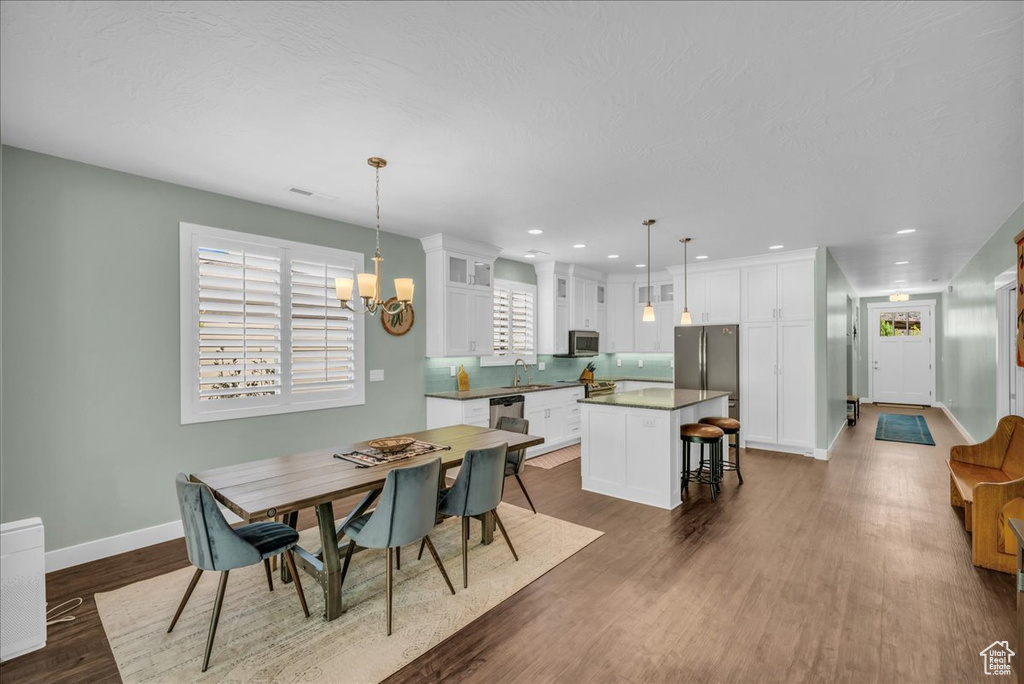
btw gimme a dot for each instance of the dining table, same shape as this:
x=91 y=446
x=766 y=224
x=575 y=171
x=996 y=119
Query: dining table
x=278 y=488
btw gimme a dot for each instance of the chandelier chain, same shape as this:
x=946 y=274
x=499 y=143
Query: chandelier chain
x=378 y=208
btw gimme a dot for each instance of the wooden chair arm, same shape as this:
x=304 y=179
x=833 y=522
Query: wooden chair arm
x=989 y=499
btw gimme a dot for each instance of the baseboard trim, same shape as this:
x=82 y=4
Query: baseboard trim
x=826 y=454
x=956 y=423
x=768 y=446
x=86 y=552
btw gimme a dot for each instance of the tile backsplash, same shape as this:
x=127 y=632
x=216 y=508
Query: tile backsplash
x=439 y=379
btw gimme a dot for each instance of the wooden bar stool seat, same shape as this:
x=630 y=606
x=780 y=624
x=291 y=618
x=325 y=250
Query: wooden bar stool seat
x=700 y=433
x=730 y=426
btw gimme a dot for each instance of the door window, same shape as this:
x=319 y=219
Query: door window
x=899 y=324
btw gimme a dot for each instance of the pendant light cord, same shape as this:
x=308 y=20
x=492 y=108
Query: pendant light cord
x=378 y=209
x=686 y=280
x=648 y=264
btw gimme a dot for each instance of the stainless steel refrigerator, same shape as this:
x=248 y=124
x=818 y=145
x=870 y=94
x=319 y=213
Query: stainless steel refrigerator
x=708 y=357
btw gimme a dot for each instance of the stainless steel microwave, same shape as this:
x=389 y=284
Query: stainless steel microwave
x=583 y=343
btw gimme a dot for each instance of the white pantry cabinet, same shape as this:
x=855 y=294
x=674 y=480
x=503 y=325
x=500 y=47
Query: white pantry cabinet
x=783 y=291
x=460 y=296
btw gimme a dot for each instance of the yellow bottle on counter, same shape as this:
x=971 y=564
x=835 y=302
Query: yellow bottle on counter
x=463 y=379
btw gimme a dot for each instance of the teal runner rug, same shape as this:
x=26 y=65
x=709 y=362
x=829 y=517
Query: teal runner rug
x=893 y=427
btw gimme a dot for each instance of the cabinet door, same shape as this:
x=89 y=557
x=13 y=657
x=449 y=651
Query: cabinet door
x=480 y=274
x=646 y=331
x=590 y=305
x=458 y=269
x=538 y=423
x=796 y=383
x=666 y=324
x=722 y=297
x=691 y=295
x=458 y=329
x=561 y=327
x=482 y=324
x=796 y=290
x=759 y=412
x=620 y=325
x=579 y=304
x=554 y=423
x=601 y=326
x=759 y=300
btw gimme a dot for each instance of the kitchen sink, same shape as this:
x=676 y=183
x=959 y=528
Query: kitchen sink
x=526 y=387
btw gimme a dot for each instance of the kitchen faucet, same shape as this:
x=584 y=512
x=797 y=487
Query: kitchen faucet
x=515 y=372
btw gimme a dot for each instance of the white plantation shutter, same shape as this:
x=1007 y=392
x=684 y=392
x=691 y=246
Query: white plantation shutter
x=261 y=329
x=514 y=323
x=239 y=314
x=323 y=333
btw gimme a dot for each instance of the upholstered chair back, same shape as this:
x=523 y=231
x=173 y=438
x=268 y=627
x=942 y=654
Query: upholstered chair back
x=479 y=485
x=513 y=424
x=209 y=539
x=406 y=509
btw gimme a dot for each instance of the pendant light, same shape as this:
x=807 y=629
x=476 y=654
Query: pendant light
x=685 y=318
x=648 y=316
x=369 y=283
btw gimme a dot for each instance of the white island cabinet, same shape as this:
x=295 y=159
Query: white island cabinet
x=630 y=441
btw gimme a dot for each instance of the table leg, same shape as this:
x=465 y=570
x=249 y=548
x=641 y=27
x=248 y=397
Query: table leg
x=331 y=572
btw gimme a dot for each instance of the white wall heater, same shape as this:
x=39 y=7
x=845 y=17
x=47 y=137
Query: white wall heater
x=22 y=588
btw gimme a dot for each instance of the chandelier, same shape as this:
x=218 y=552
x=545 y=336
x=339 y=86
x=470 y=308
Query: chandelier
x=369 y=283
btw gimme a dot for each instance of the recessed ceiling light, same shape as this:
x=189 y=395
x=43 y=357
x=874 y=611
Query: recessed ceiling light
x=899 y=281
x=776 y=247
x=902 y=263
x=613 y=256
x=579 y=246
x=529 y=256
x=701 y=256
x=641 y=265
x=535 y=231
x=906 y=231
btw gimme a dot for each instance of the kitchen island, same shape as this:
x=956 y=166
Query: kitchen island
x=630 y=441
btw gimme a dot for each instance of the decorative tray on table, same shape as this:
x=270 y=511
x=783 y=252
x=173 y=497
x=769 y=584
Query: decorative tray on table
x=383 y=451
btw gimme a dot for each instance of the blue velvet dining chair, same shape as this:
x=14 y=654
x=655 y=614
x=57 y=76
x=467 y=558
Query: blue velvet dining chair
x=405 y=513
x=476 y=492
x=514 y=459
x=212 y=544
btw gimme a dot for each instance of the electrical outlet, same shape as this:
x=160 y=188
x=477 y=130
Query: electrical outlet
x=454 y=371
x=640 y=363
x=618 y=363
x=650 y=422
x=377 y=375
x=540 y=365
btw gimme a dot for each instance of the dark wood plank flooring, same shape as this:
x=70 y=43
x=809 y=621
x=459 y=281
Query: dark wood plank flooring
x=855 y=570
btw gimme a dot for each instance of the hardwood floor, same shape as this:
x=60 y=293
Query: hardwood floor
x=856 y=570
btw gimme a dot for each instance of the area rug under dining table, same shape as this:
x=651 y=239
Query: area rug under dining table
x=262 y=636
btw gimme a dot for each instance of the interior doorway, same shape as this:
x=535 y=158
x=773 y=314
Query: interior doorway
x=901 y=352
x=1010 y=376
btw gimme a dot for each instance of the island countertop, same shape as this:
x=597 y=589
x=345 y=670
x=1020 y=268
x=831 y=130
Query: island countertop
x=657 y=398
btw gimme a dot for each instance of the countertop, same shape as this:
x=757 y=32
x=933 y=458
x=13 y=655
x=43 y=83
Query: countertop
x=616 y=378
x=656 y=398
x=489 y=392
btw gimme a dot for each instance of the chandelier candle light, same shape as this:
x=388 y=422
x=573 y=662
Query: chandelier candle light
x=685 y=318
x=369 y=283
x=648 y=316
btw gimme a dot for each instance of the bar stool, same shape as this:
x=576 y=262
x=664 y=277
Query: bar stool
x=698 y=433
x=730 y=426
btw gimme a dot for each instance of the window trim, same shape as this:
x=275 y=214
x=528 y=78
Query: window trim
x=285 y=402
x=514 y=286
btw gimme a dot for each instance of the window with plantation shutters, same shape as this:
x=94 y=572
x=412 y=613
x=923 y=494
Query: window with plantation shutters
x=514 y=323
x=261 y=329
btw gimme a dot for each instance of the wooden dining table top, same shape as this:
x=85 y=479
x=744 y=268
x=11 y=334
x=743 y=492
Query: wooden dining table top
x=260 y=490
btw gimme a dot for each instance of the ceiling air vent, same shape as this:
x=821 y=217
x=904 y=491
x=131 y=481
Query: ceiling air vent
x=300 y=191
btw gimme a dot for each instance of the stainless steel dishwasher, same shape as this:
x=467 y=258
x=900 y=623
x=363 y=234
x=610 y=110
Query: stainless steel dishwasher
x=506 y=406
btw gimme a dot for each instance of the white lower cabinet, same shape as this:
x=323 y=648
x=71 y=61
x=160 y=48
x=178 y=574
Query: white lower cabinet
x=778 y=384
x=445 y=412
x=555 y=416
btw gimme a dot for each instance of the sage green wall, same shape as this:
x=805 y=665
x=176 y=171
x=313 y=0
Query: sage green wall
x=506 y=269
x=864 y=339
x=837 y=290
x=91 y=433
x=968 y=370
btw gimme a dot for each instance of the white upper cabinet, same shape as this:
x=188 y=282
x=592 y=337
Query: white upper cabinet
x=619 y=335
x=783 y=291
x=460 y=296
x=712 y=297
x=584 y=303
x=654 y=336
x=553 y=297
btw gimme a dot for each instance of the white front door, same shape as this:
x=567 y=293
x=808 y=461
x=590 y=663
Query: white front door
x=902 y=359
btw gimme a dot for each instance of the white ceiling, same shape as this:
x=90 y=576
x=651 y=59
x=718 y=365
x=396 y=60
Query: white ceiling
x=742 y=125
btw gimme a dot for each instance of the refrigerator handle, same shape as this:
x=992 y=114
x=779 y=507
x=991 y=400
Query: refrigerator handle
x=703 y=358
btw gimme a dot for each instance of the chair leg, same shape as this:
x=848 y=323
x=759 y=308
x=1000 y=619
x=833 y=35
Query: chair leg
x=504 y=533
x=738 y=473
x=525 y=493
x=419 y=556
x=440 y=565
x=184 y=600
x=390 y=579
x=465 y=553
x=270 y=577
x=218 y=604
x=289 y=560
x=398 y=558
